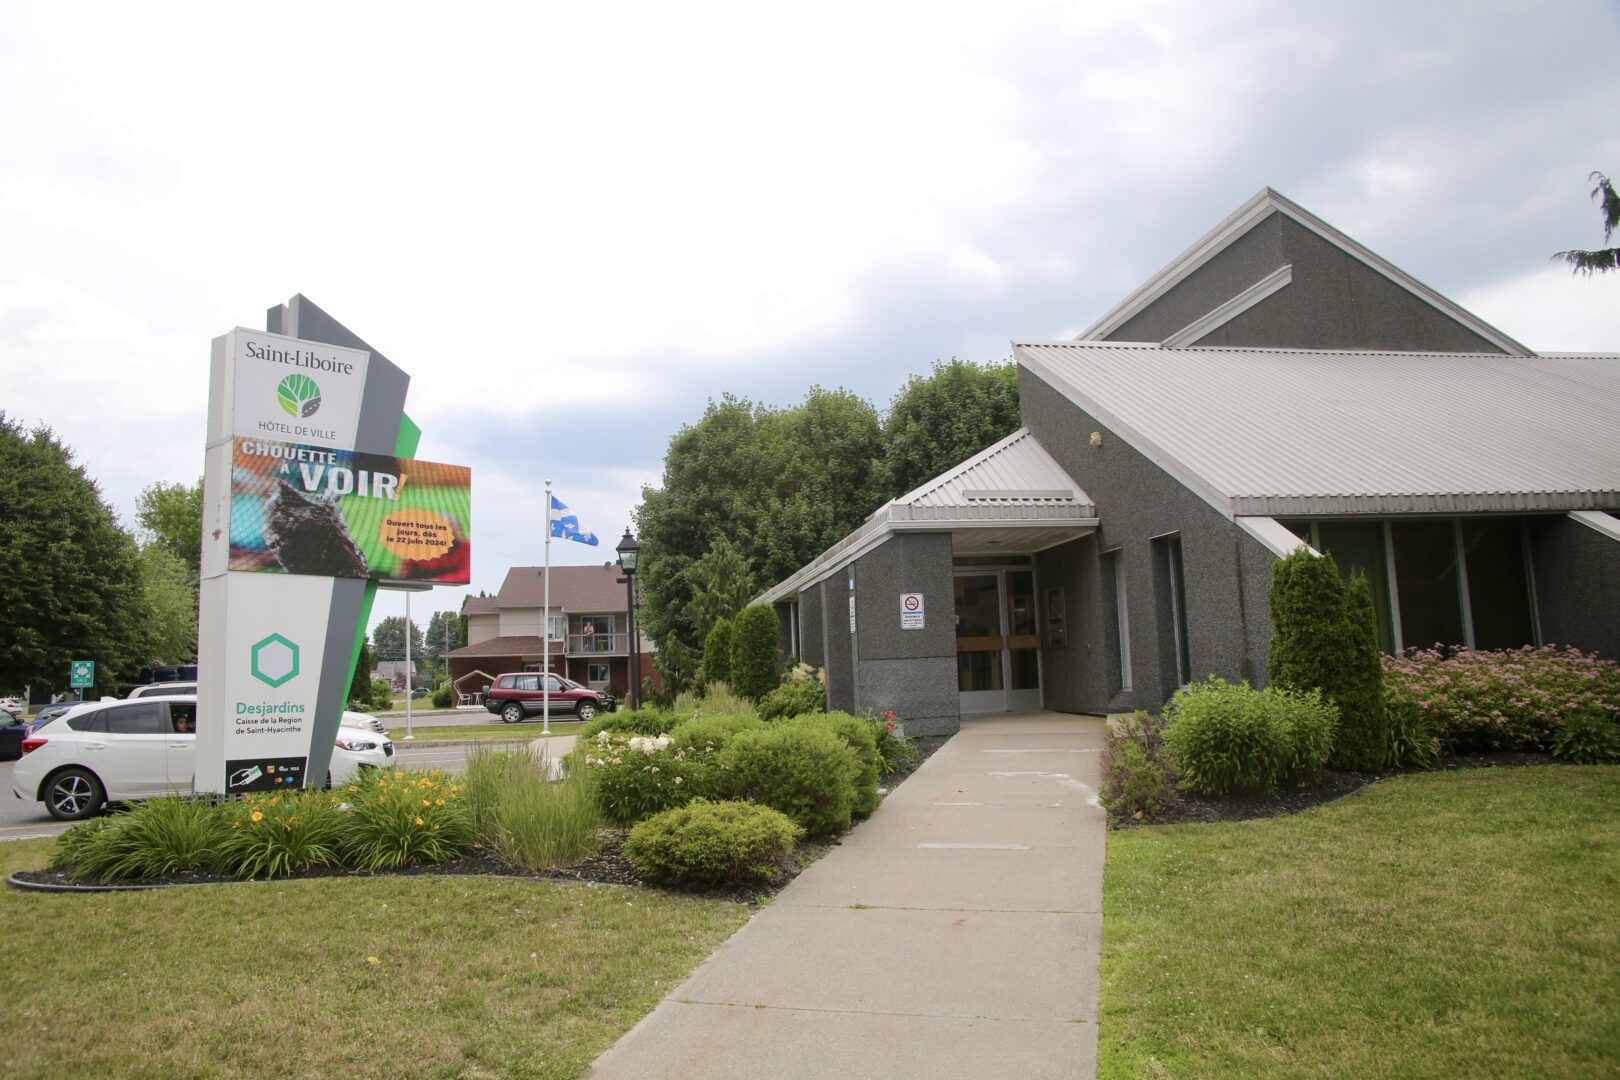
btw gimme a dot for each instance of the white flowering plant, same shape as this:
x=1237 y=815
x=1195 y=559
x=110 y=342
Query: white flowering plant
x=636 y=776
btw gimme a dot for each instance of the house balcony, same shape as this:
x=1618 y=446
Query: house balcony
x=598 y=644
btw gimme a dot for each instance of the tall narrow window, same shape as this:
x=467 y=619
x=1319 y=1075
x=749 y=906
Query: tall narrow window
x=1427 y=583
x=1498 y=585
x=1122 y=616
x=1178 y=601
x=1170 y=604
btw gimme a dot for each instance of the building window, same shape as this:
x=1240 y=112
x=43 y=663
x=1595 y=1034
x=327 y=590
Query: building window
x=598 y=675
x=557 y=627
x=1115 y=576
x=1172 y=588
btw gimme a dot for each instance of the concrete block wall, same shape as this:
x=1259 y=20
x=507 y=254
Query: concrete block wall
x=1577 y=572
x=912 y=672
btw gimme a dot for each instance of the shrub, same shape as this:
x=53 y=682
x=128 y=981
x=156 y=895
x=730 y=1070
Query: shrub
x=156 y=837
x=400 y=817
x=1227 y=738
x=535 y=822
x=856 y=733
x=270 y=834
x=895 y=750
x=382 y=694
x=753 y=652
x=806 y=773
x=1412 y=737
x=802 y=691
x=631 y=722
x=1137 y=780
x=443 y=696
x=637 y=776
x=1588 y=737
x=712 y=732
x=1512 y=699
x=708 y=844
x=72 y=845
x=1324 y=637
x=716 y=666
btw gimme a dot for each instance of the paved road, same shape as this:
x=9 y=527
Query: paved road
x=21 y=820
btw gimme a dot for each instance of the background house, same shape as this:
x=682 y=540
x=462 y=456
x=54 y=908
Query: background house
x=587 y=625
x=1276 y=385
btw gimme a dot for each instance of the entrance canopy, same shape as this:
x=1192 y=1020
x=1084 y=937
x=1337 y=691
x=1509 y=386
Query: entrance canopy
x=1011 y=498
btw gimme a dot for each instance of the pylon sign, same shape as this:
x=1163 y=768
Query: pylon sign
x=284 y=597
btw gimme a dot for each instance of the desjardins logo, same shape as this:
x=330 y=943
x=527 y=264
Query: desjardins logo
x=299 y=395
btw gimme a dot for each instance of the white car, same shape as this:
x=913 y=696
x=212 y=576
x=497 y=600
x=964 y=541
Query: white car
x=120 y=750
x=189 y=689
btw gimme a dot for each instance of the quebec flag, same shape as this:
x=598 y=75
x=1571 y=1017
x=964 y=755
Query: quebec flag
x=565 y=526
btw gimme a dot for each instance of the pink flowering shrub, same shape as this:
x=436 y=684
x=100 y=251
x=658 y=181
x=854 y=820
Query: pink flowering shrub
x=1511 y=699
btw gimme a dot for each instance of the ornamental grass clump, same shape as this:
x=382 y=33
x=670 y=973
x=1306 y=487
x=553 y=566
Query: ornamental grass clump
x=156 y=837
x=530 y=820
x=636 y=776
x=399 y=817
x=1225 y=738
x=705 y=845
x=805 y=772
x=273 y=834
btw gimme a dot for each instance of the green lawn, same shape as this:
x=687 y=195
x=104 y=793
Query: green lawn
x=471 y=978
x=1437 y=925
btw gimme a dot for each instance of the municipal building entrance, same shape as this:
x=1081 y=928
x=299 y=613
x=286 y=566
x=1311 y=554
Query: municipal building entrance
x=998 y=656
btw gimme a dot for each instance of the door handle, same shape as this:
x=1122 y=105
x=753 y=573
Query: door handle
x=179 y=745
x=95 y=746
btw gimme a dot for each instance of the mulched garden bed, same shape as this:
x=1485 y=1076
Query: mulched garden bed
x=1192 y=808
x=607 y=867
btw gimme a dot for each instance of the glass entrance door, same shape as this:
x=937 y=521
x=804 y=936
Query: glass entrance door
x=997 y=641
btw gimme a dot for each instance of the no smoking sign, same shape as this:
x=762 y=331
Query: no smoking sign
x=911 y=611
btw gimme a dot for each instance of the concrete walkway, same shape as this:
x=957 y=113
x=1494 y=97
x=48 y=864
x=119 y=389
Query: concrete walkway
x=956 y=934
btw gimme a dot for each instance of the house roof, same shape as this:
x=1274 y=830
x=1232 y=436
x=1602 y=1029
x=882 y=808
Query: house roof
x=512 y=645
x=573 y=589
x=1285 y=432
x=1265 y=203
x=1012 y=490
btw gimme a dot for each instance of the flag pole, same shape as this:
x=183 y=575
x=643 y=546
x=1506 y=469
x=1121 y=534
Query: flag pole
x=545 y=629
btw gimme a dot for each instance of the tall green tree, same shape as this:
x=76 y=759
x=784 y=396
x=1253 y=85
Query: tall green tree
x=716 y=664
x=721 y=586
x=754 y=667
x=170 y=592
x=388 y=640
x=360 y=683
x=1604 y=259
x=170 y=515
x=779 y=484
x=443 y=634
x=70 y=582
x=945 y=417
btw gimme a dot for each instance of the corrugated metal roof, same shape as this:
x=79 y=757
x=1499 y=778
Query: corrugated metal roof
x=1283 y=432
x=1016 y=472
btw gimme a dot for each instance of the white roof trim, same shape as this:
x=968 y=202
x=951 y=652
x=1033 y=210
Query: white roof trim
x=952 y=473
x=1278 y=538
x=1596 y=519
x=1203 y=326
x=1245 y=217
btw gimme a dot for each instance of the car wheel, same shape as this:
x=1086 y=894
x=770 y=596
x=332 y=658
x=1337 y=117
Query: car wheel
x=512 y=712
x=586 y=711
x=73 y=795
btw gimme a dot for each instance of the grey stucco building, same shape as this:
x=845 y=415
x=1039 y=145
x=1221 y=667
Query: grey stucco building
x=1276 y=385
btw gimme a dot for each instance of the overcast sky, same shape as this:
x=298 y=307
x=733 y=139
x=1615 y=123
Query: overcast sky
x=574 y=224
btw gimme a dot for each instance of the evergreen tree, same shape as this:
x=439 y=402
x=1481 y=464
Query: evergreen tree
x=360 y=684
x=1363 y=737
x=721 y=585
x=1603 y=259
x=717 y=653
x=754 y=672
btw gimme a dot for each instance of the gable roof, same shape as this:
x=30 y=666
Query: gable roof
x=1265 y=203
x=1289 y=432
x=573 y=588
x=1013 y=484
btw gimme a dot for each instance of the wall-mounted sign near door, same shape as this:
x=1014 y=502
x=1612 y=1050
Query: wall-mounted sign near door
x=911 y=611
x=1057 y=633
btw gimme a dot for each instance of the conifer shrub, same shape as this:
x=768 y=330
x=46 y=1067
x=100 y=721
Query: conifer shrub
x=707 y=844
x=716 y=667
x=807 y=773
x=1363 y=738
x=753 y=653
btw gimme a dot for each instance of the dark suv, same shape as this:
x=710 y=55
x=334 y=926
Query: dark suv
x=519 y=695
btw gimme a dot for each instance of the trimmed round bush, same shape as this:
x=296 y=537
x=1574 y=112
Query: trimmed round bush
x=855 y=733
x=807 y=773
x=712 y=732
x=1227 y=738
x=442 y=696
x=753 y=653
x=711 y=844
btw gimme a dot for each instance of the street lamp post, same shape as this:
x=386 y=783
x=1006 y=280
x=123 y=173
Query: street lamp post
x=628 y=551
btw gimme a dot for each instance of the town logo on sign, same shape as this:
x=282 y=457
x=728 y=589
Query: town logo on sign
x=299 y=396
